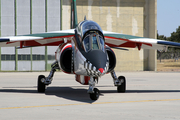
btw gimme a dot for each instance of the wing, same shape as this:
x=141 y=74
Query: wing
x=113 y=39
x=41 y=39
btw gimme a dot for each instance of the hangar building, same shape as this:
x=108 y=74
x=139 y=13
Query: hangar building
x=134 y=17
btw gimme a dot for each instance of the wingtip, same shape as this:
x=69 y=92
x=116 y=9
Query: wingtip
x=4 y=39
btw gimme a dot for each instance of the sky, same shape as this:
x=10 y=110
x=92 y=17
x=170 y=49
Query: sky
x=168 y=16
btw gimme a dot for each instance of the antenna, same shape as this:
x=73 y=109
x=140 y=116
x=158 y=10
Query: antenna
x=85 y=17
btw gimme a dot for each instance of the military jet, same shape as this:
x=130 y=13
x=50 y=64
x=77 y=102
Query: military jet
x=85 y=51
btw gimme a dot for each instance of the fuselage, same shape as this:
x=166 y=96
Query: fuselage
x=86 y=54
x=90 y=56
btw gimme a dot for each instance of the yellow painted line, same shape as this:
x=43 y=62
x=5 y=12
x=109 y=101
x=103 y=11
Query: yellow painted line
x=91 y=103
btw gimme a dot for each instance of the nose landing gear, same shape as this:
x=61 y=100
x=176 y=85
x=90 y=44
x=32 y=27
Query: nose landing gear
x=93 y=92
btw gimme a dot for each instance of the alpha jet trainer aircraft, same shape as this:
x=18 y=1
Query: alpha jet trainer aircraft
x=84 y=51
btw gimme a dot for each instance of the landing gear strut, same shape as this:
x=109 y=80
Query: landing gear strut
x=120 y=82
x=93 y=92
x=44 y=81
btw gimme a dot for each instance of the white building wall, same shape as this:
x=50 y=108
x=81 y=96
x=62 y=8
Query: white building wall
x=23 y=17
x=24 y=65
x=53 y=23
x=23 y=24
x=7 y=29
x=23 y=27
x=38 y=26
x=7 y=65
x=53 y=13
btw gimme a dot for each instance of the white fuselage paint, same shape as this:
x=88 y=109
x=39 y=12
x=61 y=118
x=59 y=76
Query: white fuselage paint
x=79 y=60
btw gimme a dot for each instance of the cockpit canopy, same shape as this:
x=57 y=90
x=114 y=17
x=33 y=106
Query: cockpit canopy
x=86 y=25
x=93 y=42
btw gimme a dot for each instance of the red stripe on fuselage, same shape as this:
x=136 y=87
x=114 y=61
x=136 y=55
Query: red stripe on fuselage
x=66 y=46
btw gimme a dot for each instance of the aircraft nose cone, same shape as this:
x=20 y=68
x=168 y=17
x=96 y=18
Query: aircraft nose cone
x=96 y=63
x=101 y=70
x=97 y=58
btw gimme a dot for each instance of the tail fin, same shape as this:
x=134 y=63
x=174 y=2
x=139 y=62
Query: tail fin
x=74 y=21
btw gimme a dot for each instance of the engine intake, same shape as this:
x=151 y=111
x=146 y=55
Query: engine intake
x=112 y=59
x=66 y=60
x=64 y=57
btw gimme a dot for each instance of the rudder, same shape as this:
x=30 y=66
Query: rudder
x=74 y=21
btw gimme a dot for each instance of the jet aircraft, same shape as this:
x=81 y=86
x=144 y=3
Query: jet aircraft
x=85 y=50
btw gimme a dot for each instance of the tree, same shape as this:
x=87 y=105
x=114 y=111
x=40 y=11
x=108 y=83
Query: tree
x=161 y=37
x=173 y=53
x=175 y=36
x=160 y=53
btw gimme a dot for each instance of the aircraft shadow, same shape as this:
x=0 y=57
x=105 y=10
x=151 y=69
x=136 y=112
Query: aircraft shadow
x=79 y=94
x=151 y=91
x=69 y=93
x=17 y=90
x=141 y=91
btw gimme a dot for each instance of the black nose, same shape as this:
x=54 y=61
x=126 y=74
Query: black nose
x=98 y=58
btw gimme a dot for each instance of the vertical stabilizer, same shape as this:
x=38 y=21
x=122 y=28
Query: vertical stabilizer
x=74 y=21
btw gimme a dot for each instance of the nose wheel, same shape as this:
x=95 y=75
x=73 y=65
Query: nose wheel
x=95 y=95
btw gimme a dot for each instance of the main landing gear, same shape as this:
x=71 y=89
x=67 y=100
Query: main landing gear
x=44 y=81
x=120 y=82
x=94 y=93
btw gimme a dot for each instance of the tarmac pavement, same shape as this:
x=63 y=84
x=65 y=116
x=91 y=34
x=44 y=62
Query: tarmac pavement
x=149 y=96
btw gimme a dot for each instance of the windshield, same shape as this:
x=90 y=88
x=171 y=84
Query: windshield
x=101 y=43
x=86 y=44
x=88 y=25
x=93 y=42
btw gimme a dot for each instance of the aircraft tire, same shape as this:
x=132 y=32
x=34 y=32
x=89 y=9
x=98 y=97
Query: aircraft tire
x=122 y=88
x=95 y=95
x=41 y=87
